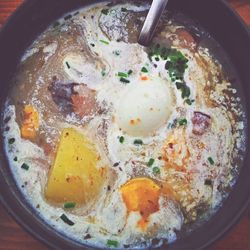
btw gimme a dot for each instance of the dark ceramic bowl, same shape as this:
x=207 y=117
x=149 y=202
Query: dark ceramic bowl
x=214 y=15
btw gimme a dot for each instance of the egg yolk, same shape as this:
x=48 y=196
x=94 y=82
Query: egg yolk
x=141 y=195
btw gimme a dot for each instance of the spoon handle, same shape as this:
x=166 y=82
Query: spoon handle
x=152 y=19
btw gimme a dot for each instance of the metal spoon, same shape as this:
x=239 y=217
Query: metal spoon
x=152 y=19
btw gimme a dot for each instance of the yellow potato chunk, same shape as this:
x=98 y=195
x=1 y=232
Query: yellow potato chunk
x=74 y=176
x=141 y=195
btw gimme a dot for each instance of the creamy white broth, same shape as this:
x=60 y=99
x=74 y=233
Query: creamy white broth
x=138 y=121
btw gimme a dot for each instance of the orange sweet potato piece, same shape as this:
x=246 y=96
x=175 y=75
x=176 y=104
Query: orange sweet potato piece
x=141 y=195
x=30 y=124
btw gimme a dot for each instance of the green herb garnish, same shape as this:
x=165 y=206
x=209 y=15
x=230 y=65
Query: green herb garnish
x=25 y=166
x=150 y=162
x=124 y=80
x=130 y=72
x=105 y=11
x=69 y=205
x=211 y=161
x=144 y=70
x=112 y=243
x=103 y=72
x=176 y=65
x=56 y=24
x=179 y=85
x=67 y=64
x=12 y=141
x=67 y=17
x=124 y=9
x=15 y=159
x=138 y=142
x=65 y=219
x=121 y=139
x=158 y=51
x=189 y=102
x=208 y=182
x=183 y=122
x=117 y=52
x=185 y=91
x=104 y=42
x=156 y=170
x=173 y=124
x=122 y=74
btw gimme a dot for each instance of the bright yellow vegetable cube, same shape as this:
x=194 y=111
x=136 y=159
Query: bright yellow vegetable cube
x=74 y=177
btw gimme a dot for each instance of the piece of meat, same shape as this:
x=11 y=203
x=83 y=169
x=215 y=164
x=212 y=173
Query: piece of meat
x=61 y=94
x=201 y=123
x=84 y=102
x=73 y=97
x=185 y=37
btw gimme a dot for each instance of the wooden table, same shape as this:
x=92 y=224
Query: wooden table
x=12 y=236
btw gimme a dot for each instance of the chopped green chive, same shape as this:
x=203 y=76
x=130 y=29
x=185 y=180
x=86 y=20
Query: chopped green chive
x=176 y=65
x=179 y=85
x=211 y=161
x=65 y=219
x=130 y=72
x=124 y=80
x=103 y=72
x=112 y=243
x=122 y=74
x=56 y=24
x=124 y=9
x=138 y=142
x=189 y=102
x=104 y=42
x=173 y=124
x=67 y=64
x=105 y=11
x=183 y=122
x=156 y=170
x=12 y=141
x=69 y=205
x=117 y=52
x=151 y=162
x=185 y=91
x=144 y=70
x=92 y=44
x=208 y=182
x=15 y=159
x=67 y=17
x=170 y=125
x=25 y=166
x=116 y=164
x=121 y=139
